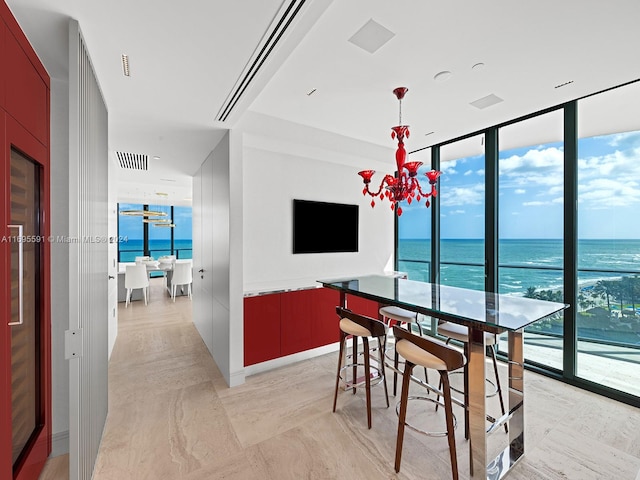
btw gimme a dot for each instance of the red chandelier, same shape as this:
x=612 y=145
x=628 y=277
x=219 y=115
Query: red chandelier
x=405 y=186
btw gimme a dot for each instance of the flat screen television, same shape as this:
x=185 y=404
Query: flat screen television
x=323 y=227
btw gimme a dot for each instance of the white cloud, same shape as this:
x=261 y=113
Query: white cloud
x=463 y=195
x=520 y=191
x=535 y=167
x=468 y=172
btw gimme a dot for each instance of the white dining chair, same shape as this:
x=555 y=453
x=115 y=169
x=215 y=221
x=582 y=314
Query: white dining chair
x=135 y=276
x=182 y=275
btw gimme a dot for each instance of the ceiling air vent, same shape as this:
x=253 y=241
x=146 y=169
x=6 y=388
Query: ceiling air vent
x=133 y=161
x=274 y=34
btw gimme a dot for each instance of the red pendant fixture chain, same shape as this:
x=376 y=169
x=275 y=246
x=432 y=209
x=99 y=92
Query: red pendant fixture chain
x=406 y=185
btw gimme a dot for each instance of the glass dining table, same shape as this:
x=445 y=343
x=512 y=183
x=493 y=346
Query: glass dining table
x=481 y=312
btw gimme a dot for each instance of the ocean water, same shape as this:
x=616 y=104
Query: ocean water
x=132 y=248
x=542 y=261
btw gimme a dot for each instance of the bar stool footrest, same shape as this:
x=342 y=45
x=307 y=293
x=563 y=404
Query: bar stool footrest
x=376 y=377
x=489 y=394
x=425 y=432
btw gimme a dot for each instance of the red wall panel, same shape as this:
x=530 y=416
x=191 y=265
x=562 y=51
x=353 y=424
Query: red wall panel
x=26 y=93
x=261 y=328
x=4 y=66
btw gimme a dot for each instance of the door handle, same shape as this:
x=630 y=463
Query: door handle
x=201 y=270
x=20 y=275
x=111 y=277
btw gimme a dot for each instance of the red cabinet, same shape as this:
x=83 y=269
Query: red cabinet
x=261 y=328
x=3 y=61
x=280 y=324
x=25 y=312
x=295 y=320
x=324 y=325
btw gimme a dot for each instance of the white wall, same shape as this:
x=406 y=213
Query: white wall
x=59 y=264
x=112 y=219
x=217 y=291
x=309 y=166
x=244 y=192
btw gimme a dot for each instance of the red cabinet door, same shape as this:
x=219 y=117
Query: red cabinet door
x=324 y=326
x=363 y=306
x=25 y=332
x=261 y=328
x=297 y=317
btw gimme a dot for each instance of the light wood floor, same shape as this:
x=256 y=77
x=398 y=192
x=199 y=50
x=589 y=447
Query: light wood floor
x=171 y=416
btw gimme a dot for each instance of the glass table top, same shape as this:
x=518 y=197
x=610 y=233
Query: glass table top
x=490 y=311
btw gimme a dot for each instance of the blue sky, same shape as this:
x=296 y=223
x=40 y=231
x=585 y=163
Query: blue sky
x=531 y=193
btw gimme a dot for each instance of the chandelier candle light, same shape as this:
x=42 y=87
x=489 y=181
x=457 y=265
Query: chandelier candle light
x=406 y=185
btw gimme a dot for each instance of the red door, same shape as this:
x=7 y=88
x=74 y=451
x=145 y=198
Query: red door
x=25 y=406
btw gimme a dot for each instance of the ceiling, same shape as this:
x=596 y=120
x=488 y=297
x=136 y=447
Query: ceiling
x=186 y=64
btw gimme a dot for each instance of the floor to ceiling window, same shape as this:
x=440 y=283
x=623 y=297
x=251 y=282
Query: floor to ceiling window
x=462 y=203
x=414 y=231
x=531 y=225
x=608 y=314
x=182 y=233
x=140 y=236
x=130 y=233
x=550 y=202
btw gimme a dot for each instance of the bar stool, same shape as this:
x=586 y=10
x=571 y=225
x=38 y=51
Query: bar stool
x=399 y=315
x=359 y=326
x=428 y=353
x=461 y=333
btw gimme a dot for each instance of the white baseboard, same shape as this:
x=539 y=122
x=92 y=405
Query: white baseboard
x=237 y=378
x=59 y=444
x=289 y=359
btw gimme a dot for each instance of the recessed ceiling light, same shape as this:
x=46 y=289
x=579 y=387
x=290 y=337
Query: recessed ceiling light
x=443 y=76
x=156 y=157
x=487 y=101
x=125 y=65
x=371 y=36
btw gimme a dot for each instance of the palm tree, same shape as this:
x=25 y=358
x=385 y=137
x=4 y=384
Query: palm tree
x=602 y=290
x=531 y=292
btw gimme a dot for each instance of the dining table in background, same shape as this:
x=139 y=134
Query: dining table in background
x=152 y=266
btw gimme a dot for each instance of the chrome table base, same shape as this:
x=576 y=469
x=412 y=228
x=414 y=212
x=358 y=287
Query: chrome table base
x=496 y=468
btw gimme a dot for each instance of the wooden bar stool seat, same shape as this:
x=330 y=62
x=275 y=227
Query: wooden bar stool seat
x=453 y=331
x=427 y=352
x=359 y=326
x=395 y=315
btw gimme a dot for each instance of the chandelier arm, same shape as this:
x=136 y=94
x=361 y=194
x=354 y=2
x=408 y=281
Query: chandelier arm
x=379 y=188
x=423 y=194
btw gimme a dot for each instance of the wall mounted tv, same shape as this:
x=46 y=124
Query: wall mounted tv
x=323 y=227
